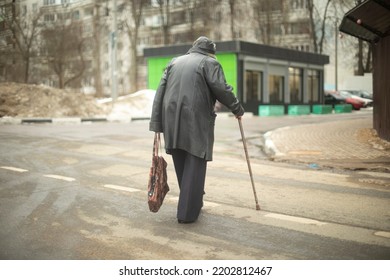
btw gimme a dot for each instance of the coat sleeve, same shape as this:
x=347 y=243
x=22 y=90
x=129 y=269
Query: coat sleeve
x=223 y=92
x=155 y=123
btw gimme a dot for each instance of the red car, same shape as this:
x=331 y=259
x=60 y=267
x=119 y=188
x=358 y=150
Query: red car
x=356 y=104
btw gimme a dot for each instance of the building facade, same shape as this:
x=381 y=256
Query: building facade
x=103 y=29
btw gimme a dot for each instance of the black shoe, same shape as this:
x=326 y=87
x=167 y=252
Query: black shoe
x=185 y=222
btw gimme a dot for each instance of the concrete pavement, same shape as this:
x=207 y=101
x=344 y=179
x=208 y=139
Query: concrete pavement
x=342 y=143
x=78 y=192
x=346 y=144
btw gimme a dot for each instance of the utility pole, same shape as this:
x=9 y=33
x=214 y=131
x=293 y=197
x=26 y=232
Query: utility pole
x=336 y=54
x=114 y=72
x=96 y=49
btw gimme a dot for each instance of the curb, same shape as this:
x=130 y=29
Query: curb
x=78 y=120
x=71 y=120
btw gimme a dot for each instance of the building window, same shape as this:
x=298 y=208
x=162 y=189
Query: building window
x=49 y=17
x=49 y=2
x=298 y=27
x=253 y=83
x=313 y=85
x=298 y=4
x=88 y=11
x=178 y=17
x=270 y=6
x=76 y=15
x=276 y=88
x=295 y=84
x=63 y=16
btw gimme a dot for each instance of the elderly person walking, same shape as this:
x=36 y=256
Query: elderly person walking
x=183 y=110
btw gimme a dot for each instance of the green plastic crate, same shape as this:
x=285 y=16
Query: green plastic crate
x=343 y=108
x=299 y=109
x=322 y=109
x=271 y=110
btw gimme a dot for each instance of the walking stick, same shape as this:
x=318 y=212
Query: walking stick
x=247 y=161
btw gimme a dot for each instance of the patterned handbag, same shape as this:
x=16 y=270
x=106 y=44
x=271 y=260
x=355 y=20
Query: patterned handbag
x=158 y=185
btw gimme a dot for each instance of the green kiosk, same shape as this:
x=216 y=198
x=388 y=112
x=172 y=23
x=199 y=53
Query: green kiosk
x=267 y=80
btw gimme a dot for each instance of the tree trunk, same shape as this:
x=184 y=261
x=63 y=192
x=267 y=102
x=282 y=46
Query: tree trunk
x=310 y=7
x=98 y=72
x=368 y=67
x=134 y=70
x=26 y=69
x=164 y=13
x=360 y=70
x=231 y=6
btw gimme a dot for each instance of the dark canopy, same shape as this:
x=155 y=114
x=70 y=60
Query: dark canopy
x=369 y=21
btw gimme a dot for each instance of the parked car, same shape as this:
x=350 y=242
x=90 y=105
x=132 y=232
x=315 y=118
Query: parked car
x=334 y=97
x=361 y=93
x=351 y=94
x=365 y=94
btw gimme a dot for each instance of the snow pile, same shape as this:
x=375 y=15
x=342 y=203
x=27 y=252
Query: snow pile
x=135 y=105
x=39 y=101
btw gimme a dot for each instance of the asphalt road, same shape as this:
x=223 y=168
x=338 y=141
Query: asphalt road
x=78 y=191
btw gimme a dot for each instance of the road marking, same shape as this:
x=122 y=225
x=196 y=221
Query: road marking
x=14 y=169
x=295 y=219
x=58 y=177
x=116 y=187
x=385 y=234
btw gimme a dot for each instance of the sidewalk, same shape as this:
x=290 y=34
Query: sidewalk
x=345 y=144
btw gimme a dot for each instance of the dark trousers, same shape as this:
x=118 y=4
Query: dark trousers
x=191 y=174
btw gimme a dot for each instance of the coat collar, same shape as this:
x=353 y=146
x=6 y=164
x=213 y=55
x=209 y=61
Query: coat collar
x=196 y=49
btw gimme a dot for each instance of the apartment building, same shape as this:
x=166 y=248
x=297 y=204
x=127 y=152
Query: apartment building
x=103 y=27
x=7 y=44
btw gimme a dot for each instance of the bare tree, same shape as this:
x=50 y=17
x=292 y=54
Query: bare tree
x=232 y=12
x=265 y=19
x=196 y=9
x=96 y=49
x=25 y=29
x=64 y=50
x=363 y=49
x=164 y=8
x=368 y=65
x=362 y=46
x=133 y=24
x=364 y=57
x=316 y=17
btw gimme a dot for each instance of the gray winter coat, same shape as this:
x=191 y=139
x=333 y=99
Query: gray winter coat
x=183 y=107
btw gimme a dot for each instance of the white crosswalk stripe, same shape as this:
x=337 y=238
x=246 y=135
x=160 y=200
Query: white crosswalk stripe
x=14 y=169
x=59 y=177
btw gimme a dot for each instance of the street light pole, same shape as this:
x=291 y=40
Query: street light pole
x=114 y=74
x=336 y=54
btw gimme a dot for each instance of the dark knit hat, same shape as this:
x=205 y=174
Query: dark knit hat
x=205 y=44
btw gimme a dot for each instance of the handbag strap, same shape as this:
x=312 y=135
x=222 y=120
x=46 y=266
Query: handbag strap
x=156 y=144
